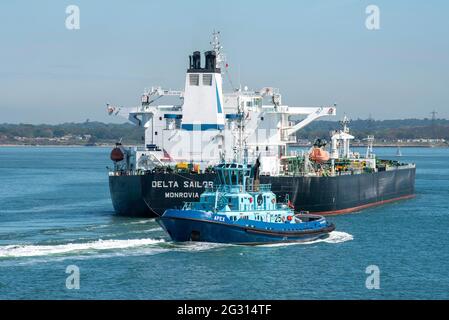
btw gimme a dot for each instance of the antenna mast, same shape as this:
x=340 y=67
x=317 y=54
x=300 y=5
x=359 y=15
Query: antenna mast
x=369 y=147
x=216 y=45
x=344 y=123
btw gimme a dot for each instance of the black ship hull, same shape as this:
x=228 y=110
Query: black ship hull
x=151 y=194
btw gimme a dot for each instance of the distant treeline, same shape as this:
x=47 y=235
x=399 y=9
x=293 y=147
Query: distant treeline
x=382 y=129
x=109 y=133
x=98 y=131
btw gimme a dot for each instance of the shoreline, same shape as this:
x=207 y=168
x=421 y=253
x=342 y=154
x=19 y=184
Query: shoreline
x=56 y=146
x=385 y=146
x=131 y=145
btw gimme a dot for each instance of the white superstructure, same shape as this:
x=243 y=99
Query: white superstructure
x=209 y=125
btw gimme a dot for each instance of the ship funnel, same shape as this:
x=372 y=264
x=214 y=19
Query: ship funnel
x=203 y=95
x=211 y=59
x=195 y=60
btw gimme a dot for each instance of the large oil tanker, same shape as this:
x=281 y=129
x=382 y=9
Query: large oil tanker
x=184 y=141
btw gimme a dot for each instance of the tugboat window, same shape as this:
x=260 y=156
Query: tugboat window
x=227 y=177
x=234 y=178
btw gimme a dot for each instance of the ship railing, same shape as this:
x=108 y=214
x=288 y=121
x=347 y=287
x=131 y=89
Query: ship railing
x=259 y=187
x=127 y=172
x=224 y=188
x=239 y=188
x=400 y=166
x=211 y=189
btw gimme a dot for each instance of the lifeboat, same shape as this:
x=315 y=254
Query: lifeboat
x=117 y=154
x=319 y=155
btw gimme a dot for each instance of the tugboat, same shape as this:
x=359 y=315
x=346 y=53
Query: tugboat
x=240 y=210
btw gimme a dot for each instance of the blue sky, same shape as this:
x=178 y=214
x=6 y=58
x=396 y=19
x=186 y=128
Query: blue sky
x=317 y=52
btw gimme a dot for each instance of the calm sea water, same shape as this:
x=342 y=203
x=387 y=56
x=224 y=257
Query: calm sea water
x=56 y=212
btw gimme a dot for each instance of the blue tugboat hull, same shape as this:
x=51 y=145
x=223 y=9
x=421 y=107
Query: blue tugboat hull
x=195 y=226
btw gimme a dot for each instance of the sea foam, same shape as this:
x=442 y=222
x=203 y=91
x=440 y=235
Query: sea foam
x=334 y=237
x=44 y=250
x=337 y=237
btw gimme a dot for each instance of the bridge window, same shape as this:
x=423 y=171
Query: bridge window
x=207 y=79
x=194 y=79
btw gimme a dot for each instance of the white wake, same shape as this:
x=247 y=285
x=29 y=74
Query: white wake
x=334 y=237
x=14 y=251
x=44 y=250
x=337 y=237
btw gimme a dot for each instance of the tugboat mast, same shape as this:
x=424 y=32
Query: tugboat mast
x=241 y=148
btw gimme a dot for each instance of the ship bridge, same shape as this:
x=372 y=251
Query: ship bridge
x=209 y=124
